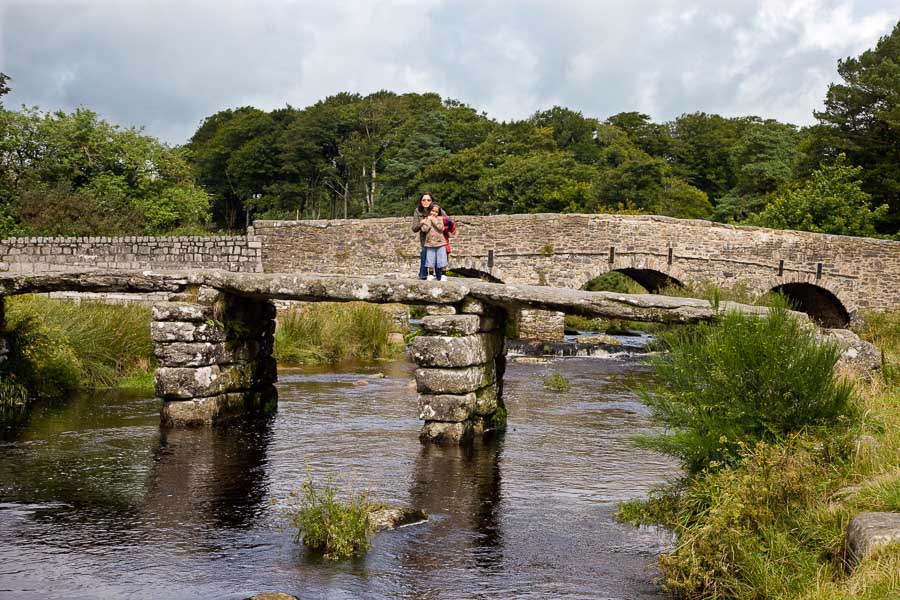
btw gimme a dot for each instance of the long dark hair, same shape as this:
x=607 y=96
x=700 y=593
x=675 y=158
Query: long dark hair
x=419 y=208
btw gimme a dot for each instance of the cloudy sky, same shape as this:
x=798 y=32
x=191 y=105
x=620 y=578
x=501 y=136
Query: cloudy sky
x=167 y=64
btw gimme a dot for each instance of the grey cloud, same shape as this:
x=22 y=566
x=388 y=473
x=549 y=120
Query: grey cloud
x=167 y=65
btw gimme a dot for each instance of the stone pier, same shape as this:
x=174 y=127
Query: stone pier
x=215 y=358
x=461 y=361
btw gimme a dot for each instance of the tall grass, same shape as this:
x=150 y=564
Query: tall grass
x=328 y=332
x=58 y=346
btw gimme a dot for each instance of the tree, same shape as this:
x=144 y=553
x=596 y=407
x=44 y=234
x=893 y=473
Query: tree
x=75 y=174
x=832 y=201
x=4 y=88
x=862 y=120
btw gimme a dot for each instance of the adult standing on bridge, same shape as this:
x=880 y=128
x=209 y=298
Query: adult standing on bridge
x=420 y=217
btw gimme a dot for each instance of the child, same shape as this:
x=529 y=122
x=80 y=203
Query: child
x=435 y=248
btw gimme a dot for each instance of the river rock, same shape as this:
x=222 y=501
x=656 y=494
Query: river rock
x=273 y=596
x=870 y=531
x=856 y=354
x=598 y=339
x=447 y=433
x=446 y=407
x=455 y=381
x=464 y=351
x=390 y=518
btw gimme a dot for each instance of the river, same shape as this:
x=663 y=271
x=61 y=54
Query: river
x=96 y=501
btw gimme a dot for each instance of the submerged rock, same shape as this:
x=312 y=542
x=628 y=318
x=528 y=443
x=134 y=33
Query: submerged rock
x=390 y=518
x=273 y=596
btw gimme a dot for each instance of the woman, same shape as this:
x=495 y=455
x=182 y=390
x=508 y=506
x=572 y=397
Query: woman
x=420 y=217
x=435 y=244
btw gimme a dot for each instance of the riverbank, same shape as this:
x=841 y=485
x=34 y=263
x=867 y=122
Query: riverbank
x=773 y=523
x=57 y=347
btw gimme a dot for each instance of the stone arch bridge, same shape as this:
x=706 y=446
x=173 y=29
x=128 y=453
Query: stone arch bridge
x=214 y=340
x=829 y=276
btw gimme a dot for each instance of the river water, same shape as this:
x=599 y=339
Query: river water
x=96 y=501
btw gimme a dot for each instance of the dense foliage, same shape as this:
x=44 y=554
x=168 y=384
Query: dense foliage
x=772 y=522
x=350 y=155
x=740 y=381
x=75 y=174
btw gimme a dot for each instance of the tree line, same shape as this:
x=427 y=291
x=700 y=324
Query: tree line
x=355 y=156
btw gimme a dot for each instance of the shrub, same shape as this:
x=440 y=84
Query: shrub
x=743 y=380
x=324 y=522
x=329 y=332
x=557 y=382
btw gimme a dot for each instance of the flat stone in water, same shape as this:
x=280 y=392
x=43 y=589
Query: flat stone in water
x=390 y=518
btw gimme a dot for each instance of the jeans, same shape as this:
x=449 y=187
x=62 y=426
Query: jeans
x=423 y=270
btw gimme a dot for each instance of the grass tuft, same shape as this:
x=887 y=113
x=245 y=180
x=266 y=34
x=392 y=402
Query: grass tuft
x=339 y=528
x=557 y=382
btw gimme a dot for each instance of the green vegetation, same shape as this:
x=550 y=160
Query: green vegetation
x=58 y=346
x=352 y=156
x=557 y=382
x=339 y=528
x=75 y=174
x=499 y=419
x=614 y=281
x=766 y=517
x=741 y=381
x=329 y=332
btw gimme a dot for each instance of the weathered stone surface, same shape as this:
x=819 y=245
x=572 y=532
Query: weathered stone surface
x=455 y=381
x=870 y=531
x=856 y=354
x=487 y=400
x=532 y=324
x=390 y=518
x=181 y=383
x=273 y=596
x=218 y=408
x=190 y=354
x=450 y=408
x=182 y=311
x=460 y=324
x=476 y=307
x=447 y=433
x=444 y=351
x=598 y=339
x=439 y=309
x=177 y=331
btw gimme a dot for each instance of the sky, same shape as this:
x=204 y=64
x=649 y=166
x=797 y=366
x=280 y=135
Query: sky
x=165 y=65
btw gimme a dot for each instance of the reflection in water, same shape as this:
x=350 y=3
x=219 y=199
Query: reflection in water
x=463 y=482
x=211 y=475
x=96 y=500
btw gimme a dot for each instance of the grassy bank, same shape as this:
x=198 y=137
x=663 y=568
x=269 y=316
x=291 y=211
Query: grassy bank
x=59 y=346
x=769 y=488
x=329 y=332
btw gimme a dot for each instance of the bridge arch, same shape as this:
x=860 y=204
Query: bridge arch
x=477 y=269
x=818 y=302
x=647 y=273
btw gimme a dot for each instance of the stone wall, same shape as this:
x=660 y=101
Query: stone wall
x=570 y=250
x=46 y=254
